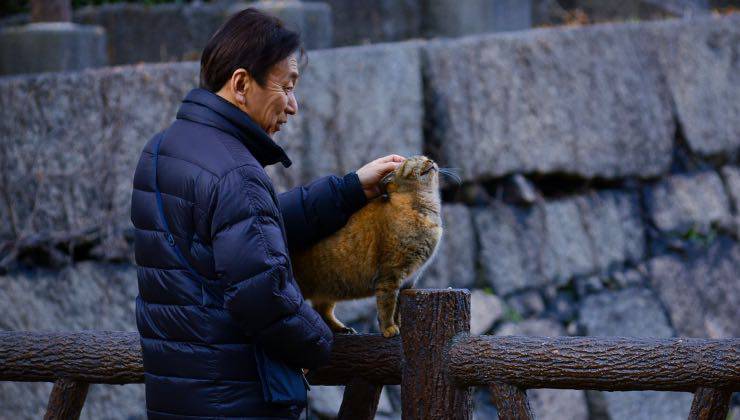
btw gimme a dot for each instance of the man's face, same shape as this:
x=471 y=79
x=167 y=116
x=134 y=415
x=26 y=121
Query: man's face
x=269 y=106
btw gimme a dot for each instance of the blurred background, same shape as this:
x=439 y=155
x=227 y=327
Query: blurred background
x=598 y=142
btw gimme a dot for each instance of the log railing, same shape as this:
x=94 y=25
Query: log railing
x=435 y=360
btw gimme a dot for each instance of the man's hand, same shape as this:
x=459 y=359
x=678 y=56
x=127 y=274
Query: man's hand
x=374 y=171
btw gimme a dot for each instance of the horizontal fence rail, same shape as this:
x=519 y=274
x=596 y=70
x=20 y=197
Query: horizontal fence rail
x=435 y=360
x=101 y=357
x=603 y=363
x=114 y=357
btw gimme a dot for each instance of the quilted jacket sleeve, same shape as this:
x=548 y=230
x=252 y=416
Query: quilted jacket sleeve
x=251 y=260
x=320 y=208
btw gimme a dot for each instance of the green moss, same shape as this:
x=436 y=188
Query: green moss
x=512 y=315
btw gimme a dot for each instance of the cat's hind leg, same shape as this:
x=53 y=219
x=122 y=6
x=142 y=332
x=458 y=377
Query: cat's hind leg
x=326 y=310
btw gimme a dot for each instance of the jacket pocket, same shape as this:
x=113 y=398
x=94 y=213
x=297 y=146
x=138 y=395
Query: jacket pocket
x=281 y=384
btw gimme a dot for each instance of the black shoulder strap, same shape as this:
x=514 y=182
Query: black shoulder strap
x=160 y=207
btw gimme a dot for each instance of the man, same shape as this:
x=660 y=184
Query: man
x=212 y=237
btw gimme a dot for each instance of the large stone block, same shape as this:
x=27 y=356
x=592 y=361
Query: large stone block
x=374 y=20
x=510 y=243
x=50 y=47
x=189 y=26
x=311 y=19
x=701 y=294
x=450 y=18
x=183 y=30
x=69 y=158
x=632 y=313
x=556 y=240
x=86 y=296
x=566 y=249
x=680 y=203
x=485 y=310
x=454 y=263
x=699 y=60
x=549 y=404
x=614 y=225
x=83 y=296
x=526 y=101
x=52 y=157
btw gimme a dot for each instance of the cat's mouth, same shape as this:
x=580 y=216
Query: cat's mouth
x=429 y=169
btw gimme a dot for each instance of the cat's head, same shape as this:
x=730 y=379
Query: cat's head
x=416 y=173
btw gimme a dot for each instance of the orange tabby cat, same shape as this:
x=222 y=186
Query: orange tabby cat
x=383 y=244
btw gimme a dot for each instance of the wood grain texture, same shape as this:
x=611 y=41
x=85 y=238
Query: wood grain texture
x=511 y=402
x=603 y=363
x=710 y=404
x=111 y=357
x=371 y=357
x=66 y=400
x=429 y=320
x=360 y=401
x=114 y=357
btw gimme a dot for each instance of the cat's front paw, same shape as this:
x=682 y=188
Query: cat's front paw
x=391 y=331
x=345 y=330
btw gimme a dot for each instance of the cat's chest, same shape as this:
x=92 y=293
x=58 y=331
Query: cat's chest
x=426 y=237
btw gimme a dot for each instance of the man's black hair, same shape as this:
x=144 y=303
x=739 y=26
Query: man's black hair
x=251 y=40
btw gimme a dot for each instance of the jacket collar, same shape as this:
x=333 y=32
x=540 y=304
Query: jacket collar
x=205 y=107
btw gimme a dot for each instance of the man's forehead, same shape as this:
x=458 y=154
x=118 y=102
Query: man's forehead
x=285 y=69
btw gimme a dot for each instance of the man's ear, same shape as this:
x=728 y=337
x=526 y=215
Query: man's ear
x=241 y=83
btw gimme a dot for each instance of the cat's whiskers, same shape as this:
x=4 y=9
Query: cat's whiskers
x=452 y=174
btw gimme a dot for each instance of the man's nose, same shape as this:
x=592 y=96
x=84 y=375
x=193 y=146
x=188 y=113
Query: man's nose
x=292 y=107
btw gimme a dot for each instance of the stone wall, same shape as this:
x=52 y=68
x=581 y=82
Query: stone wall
x=600 y=195
x=327 y=23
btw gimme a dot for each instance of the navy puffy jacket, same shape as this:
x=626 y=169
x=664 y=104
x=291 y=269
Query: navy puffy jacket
x=222 y=210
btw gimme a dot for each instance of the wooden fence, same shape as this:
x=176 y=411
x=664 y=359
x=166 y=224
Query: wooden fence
x=435 y=360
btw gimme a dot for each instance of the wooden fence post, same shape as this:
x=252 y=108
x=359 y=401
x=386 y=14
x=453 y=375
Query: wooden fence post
x=360 y=401
x=429 y=320
x=66 y=400
x=710 y=404
x=511 y=402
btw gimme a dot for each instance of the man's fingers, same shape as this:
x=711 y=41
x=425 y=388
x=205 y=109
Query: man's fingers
x=391 y=158
x=384 y=168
